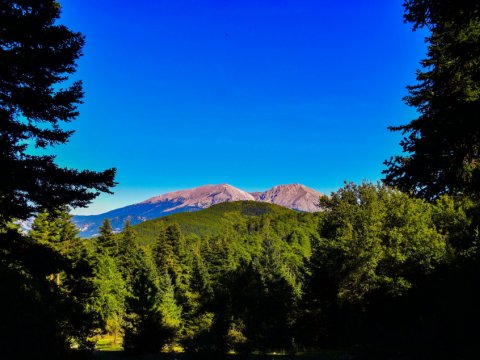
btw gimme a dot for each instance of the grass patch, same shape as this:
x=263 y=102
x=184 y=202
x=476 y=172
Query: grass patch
x=108 y=343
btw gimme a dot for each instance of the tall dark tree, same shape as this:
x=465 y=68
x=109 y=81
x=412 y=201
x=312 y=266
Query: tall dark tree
x=442 y=156
x=442 y=145
x=37 y=55
x=164 y=253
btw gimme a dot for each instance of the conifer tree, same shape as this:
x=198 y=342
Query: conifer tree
x=163 y=251
x=170 y=312
x=57 y=231
x=109 y=295
x=143 y=325
x=72 y=277
x=129 y=255
x=37 y=56
x=107 y=242
x=442 y=146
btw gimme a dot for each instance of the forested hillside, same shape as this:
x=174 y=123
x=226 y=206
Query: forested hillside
x=220 y=218
x=249 y=276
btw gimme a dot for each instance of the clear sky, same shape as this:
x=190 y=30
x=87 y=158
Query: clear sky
x=182 y=93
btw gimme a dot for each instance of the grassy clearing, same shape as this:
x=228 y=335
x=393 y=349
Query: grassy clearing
x=107 y=343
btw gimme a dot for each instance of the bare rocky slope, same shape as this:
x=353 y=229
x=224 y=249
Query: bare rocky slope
x=295 y=196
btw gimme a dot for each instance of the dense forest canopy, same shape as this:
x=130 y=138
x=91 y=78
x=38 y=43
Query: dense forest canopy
x=276 y=279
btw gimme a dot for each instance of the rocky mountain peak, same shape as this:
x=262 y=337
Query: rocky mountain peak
x=293 y=196
x=203 y=196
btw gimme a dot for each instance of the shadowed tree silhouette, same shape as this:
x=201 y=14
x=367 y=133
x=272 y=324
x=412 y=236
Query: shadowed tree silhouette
x=37 y=56
x=442 y=145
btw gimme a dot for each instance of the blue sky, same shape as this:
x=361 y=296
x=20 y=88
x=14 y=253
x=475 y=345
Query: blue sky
x=251 y=93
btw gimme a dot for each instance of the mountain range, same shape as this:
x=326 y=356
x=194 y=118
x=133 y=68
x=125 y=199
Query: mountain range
x=293 y=196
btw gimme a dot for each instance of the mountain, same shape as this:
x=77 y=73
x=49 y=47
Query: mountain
x=297 y=197
x=294 y=196
x=201 y=197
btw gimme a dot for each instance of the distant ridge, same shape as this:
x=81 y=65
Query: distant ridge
x=203 y=196
x=293 y=196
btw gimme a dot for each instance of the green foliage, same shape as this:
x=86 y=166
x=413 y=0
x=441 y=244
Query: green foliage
x=149 y=318
x=109 y=296
x=49 y=283
x=275 y=280
x=164 y=249
x=129 y=255
x=56 y=231
x=107 y=241
x=143 y=328
x=214 y=220
x=187 y=299
x=374 y=237
x=441 y=157
x=170 y=313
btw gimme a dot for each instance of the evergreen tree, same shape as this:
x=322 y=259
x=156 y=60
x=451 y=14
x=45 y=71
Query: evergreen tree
x=109 y=296
x=143 y=329
x=129 y=255
x=107 y=241
x=73 y=274
x=170 y=313
x=442 y=145
x=37 y=56
x=442 y=156
x=56 y=230
x=163 y=251
x=200 y=281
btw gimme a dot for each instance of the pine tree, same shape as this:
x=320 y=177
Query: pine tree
x=143 y=325
x=57 y=231
x=109 y=296
x=164 y=251
x=36 y=57
x=442 y=146
x=170 y=312
x=107 y=242
x=129 y=255
x=72 y=275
